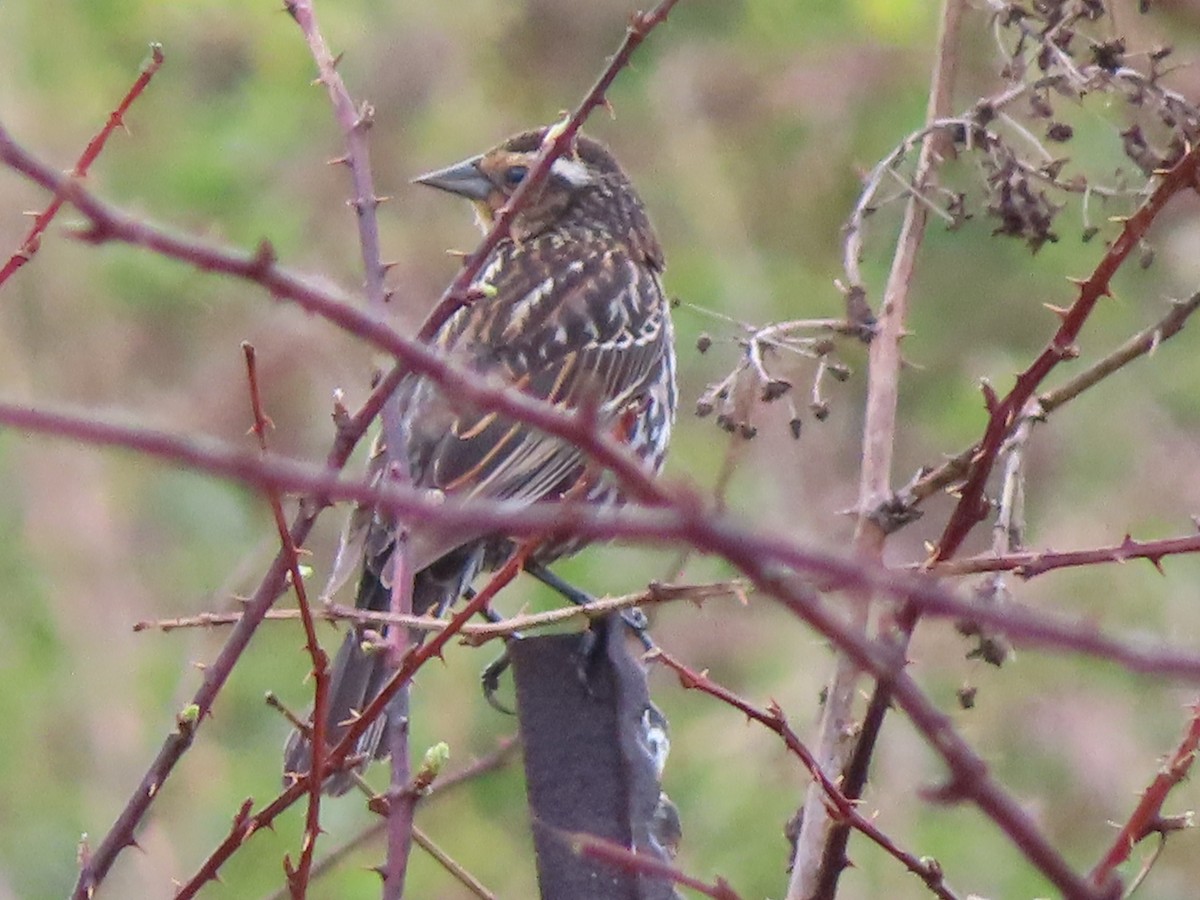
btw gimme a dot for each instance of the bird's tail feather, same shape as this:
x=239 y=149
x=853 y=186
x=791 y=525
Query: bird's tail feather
x=359 y=671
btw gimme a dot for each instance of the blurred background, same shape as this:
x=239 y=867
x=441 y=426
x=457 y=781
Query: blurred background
x=746 y=127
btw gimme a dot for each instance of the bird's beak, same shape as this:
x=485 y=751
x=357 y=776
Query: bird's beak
x=465 y=179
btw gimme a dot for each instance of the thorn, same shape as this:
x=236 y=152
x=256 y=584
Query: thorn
x=337 y=60
x=1060 y=311
x=990 y=401
x=264 y=258
x=338 y=161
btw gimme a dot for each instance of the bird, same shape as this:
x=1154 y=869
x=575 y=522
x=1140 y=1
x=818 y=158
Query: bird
x=570 y=308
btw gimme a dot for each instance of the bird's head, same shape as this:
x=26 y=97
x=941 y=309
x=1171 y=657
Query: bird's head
x=584 y=187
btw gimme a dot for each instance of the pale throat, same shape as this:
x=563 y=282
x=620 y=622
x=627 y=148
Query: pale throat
x=484 y=215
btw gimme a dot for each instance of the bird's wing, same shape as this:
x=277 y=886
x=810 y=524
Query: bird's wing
x=592 y=335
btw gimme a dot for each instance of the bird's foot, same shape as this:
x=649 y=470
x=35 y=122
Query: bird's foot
x=489 y=678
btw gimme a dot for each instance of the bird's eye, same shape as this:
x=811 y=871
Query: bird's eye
x=514 y=175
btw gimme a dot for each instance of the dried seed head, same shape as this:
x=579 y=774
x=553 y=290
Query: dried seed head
x=774 y=389
x=1060 y=132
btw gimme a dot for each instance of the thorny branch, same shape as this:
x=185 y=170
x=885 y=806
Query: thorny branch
x=840 y=808
x=33 y=240
x=497 y=759
x=820 y=849
x=297 y=877
x=1025 y=212
x=340 y=756
x=588 y=846
x=1031 y=563
x=1142 y=344
x=1147 y=818
x=477 y=634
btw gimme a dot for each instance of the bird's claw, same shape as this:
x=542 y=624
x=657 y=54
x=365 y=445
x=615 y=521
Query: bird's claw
x=490 y=679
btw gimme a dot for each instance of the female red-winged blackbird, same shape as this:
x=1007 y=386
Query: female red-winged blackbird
x=570 y=310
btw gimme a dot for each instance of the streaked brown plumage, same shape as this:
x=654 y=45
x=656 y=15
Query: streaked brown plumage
x=572 y=311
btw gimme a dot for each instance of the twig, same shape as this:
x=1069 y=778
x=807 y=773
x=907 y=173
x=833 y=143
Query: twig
x=840 y=807
x=955 y=468
x=1147 y=818
x=120 y=835
x=492 y=761
x=340 y=756
x=33 y=240
x=819 y=854
x=474 y=634
x=355 y=123
x=589 y=846
x=557 y=141
x=1006 y=413
x=1141 y=344
x=457 y=871
x=260 y=267
x=402 y=802
x=1037 y=562
x=969 y=779
x=297 y=878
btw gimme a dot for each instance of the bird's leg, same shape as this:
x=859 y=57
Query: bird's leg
x=592 y=641
x=634 y=618
x=490 y=676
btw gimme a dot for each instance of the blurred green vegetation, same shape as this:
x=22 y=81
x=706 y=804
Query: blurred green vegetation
x=746 y=126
